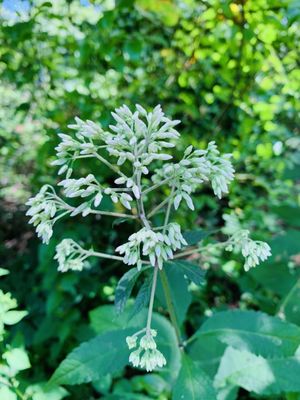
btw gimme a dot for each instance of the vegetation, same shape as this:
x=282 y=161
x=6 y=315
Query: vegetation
x=230 y=72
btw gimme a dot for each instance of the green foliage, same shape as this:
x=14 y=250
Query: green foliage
x=192 y=382
x=229 y=71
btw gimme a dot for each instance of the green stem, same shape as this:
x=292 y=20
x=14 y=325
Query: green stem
x=170 y=305
x=109 y=165
x=151 y=302
x=157 y=185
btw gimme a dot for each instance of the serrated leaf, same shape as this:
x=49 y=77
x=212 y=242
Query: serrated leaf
x=192 y=271
x=124 y=288
x=143 y=296
x=252 y=331
x=104 y=354
x=257 y=374
x=192 y=382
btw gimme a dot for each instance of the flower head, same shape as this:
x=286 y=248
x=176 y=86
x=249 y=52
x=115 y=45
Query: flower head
x=146 y=355
x=254 y=251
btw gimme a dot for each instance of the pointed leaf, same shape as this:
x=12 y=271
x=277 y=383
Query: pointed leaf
x=124 y=288
x=192 y=271
x=193 y=383
x=104 y=354
x=257 y=374
x=253 y=331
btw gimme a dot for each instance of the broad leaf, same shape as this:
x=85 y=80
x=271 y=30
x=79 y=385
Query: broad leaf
x=253 y=331
x=104 y=354
x=180 y=296
x=124 y=288
x=195 y=236
x=167 y=344
x=192 y=271
x=257 y=374
x=143 y=296
x=192 y=382
x=104 y=319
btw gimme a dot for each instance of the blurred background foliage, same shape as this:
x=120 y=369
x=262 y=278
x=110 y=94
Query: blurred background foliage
x=229 y=70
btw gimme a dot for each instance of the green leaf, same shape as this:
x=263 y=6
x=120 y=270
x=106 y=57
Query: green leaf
x=195 y=236
x=180 y=296
x=13 y=317
x=4 y=271
x=124 y=288
x=257 y=374
x=167 y=343
x=7 y=394
x=192 y=382
x=192 y=271
x=290 y=305
x=143 y=296
x=104 y=319
x=104 y=354
x=252 y=331
x=40 y=391
x=17 y=360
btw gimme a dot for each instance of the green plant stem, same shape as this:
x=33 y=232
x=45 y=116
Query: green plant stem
x=199 y=249
x=103 y=255
x=109 y=165
x=151 y=302
x=158 y=207
x=163 y=276
x=156 y=185
x=170 y=305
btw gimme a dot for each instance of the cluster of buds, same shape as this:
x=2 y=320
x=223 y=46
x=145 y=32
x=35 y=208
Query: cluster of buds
x=197 y=167
x=43 y=210
x=71 y=256
x=82 y=145
x=254 y=251
x=140 y=137
x=146 y=355
x=157 y=246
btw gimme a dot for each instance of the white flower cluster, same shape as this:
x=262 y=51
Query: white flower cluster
x=157 y=246
x=146 y=355
x=81 y=146
x=196 y=167
x=140 y=137
x=254 y=251
x=70 y=256
x=43 y=208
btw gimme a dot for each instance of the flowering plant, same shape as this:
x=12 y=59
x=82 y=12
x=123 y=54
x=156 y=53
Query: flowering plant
x=137 y=148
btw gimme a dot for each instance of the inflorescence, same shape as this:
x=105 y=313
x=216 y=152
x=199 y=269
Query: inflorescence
x=137 y=149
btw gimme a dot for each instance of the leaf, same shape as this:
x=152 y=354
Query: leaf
x=7 y=394
x=40 y=391
x=4 y=271
x=180 y=296
x=104 y=354
x=290 y=305
x=167 y=343
x=195 y=236
x=13 y=317
x=257 y=374
x=17 y=360
x=252 y=331
x=143 y=296
x=192 y=271
x=124 y=288
x=192 y=382
x=104 y=319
